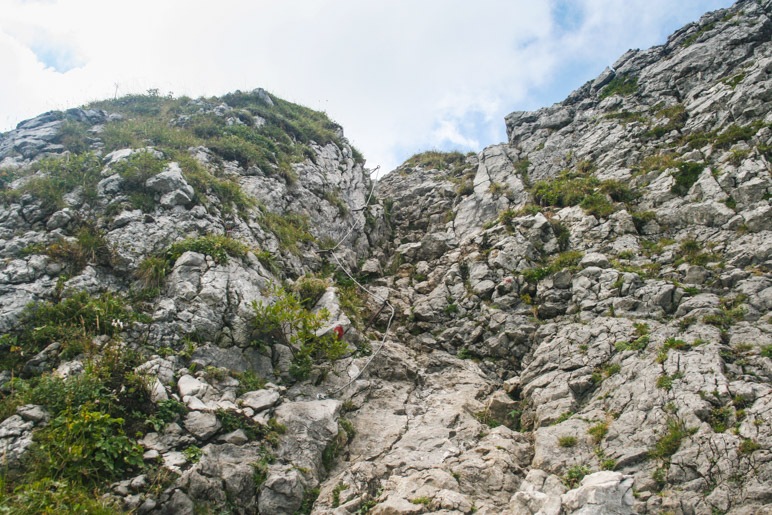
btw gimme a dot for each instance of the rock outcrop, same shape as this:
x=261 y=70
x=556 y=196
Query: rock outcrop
x=574 y=321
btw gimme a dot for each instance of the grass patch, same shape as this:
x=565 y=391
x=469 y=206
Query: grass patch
x=622 y=84
x=290 y=229
x=567 y=441
x=669 y=443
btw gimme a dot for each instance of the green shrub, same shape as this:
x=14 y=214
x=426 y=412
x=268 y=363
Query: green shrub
x=57 y=176
x=218 y=247
x=166 y=411
x=73 y=322
x=307 y=505
x=621 y=84
x=340 y=487
x=73 y=136
x=685 y=176
x=49 y=496
x=574 y=475
x=638 y=344
x=734 y=133
x=669 y=443
x=287 y=322
x=766 y=351
x=747 y=446
x=152 y=271
x=567 y=260
x=86 y=446
x=579 y=188
x=309 y=290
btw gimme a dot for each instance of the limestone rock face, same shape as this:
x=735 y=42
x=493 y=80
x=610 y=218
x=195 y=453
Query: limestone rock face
x=574 y=321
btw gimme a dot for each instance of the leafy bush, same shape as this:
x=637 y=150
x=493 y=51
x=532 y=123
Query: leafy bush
x=574 y=475
x=86 y=446
x=587 y=191
x=564 y=261
x=685 y=176
x=51 y=496
x=287 y=322
x=88 y=246
x=166 y=411
x=73 y=322
x=309 y=290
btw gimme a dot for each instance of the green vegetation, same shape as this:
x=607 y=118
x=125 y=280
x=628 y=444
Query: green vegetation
x=685 y=176
x=290 y=229
x=152 y=270
x=676 y=117
x=340 y=487
x=287 y=322
x=621 y=84
x=309 y=498
x=567 y=441
x=734 y=80
x=283 y=136
x=666 y=381
x=640 y=343
x=747 y=446
x=87 y=246
x=725 y=139
x=436 y=160
x=731 y=312
x=574 y=475
x=309 y=290
x=598 y=431
x=426 y=501
x=72 y=322
x=56 y=176
x=669 y=443
x=602 y=373
x=567 y=260
x=583 y=189
x=702 y=30
x=692 y=252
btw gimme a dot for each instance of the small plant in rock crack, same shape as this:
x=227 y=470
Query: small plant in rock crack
x=567 y=441
x=574 y=475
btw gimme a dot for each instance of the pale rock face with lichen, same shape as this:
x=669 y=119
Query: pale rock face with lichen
x=581 y=315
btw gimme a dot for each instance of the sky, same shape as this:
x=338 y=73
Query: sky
x=401 y=76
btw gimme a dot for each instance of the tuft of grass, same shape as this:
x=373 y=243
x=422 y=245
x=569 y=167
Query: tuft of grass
x=567 y=441
x=598 y=431
x=621 y=84
x=669 y=443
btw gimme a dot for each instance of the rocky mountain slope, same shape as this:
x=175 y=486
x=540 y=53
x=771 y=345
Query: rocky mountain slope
x=206 y=309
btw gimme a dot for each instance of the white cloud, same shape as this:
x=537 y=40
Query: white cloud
x=400 y=76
